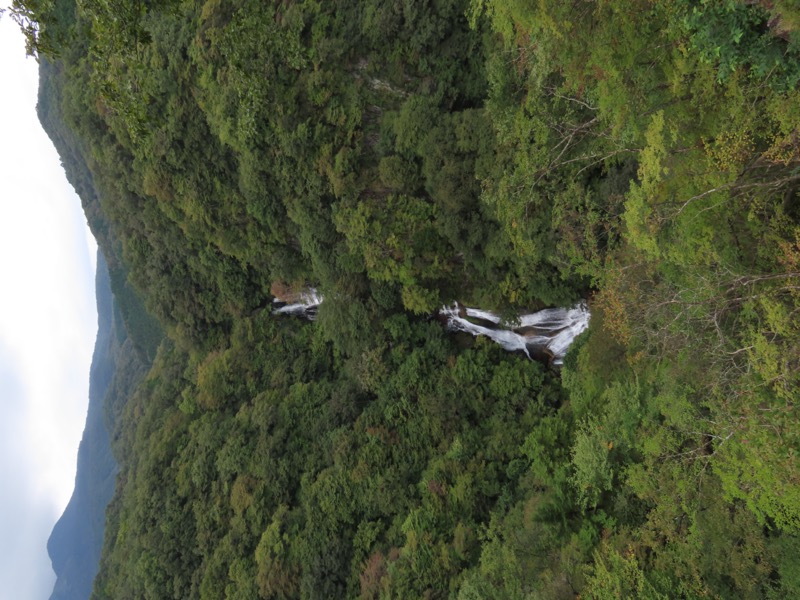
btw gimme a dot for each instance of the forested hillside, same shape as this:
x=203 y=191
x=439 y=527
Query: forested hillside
x=402 y=155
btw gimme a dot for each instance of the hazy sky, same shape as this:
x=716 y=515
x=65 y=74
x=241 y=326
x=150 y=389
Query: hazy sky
x=48 y=322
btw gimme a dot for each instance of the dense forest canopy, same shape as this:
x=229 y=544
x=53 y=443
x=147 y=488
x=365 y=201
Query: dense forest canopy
x=397 y=156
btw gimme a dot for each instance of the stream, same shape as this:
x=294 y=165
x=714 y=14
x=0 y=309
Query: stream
x=543 y=335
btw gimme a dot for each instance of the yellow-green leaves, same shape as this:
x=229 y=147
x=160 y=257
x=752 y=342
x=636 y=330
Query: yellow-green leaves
x=646 y=194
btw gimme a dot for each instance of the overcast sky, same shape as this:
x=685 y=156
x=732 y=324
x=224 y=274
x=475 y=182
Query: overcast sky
x=48 y=322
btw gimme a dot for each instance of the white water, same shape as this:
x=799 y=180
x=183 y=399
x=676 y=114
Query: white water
x=550 y=331
x=306 y=306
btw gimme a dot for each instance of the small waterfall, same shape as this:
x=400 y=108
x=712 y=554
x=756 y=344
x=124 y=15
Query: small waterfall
x=306 y=305
x=545 y=333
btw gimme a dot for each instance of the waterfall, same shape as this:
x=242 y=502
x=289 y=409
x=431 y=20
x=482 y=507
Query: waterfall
x=305 y=305
x=545 y=333
x=550 y=331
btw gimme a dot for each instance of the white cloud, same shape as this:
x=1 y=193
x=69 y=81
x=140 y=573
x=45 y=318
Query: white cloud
x=24 y=569
x=47 y=328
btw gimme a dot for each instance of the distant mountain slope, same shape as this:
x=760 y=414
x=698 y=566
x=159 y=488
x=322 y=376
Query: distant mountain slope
x=77 y=538
x=126 y=343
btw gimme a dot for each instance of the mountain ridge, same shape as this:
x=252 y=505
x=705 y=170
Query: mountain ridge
x=76 y=540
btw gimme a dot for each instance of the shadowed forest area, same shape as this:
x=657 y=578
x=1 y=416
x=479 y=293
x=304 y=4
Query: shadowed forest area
x=401 y=155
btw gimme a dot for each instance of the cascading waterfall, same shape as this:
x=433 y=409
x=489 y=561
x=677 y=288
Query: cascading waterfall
x=545 y=333
x=305 y=305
